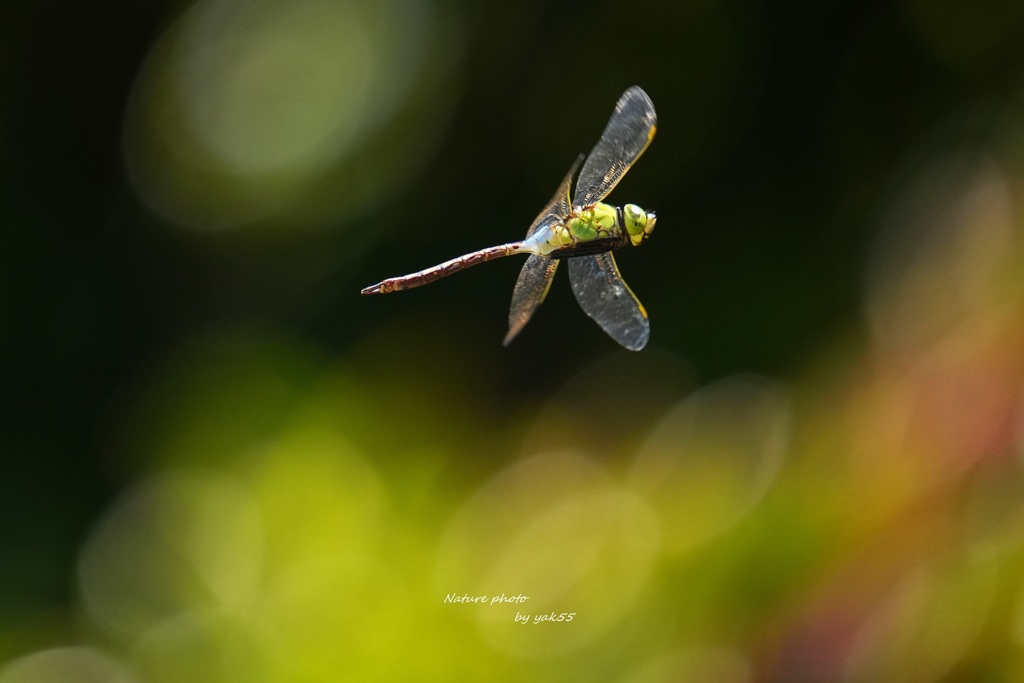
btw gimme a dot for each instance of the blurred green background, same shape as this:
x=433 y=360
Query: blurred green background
x=219 y=463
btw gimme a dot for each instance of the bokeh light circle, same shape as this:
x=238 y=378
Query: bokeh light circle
x=66 y=665
x=713 y=457
x=254 y=112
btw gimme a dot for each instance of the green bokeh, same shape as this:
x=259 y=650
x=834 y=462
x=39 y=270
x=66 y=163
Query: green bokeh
x=218 y=462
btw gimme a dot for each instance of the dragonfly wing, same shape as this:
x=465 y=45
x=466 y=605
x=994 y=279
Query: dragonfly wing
x=559 y=206
x=538 y=271
x=531 y=288
x=629 y=131
x=606 y=298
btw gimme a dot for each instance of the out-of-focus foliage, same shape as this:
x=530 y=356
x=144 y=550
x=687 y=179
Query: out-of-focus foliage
x=219 y=463
x=250 y=113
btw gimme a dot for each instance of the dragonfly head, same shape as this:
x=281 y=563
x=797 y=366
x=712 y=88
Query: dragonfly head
x=639 y=224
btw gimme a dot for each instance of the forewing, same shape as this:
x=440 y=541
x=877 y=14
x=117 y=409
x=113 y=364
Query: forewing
x=604 y=296
x=531 y=288
x=559 y=206
x=629 y=131
x=535 y=277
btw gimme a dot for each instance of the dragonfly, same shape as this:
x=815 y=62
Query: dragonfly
x=580 y=229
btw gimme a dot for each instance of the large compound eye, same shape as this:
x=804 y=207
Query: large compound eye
x=635 y=219
x=636 y=223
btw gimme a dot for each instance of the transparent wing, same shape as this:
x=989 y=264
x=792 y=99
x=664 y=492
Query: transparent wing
x=535 y=277
x=559 y=206
x=531 y=288
x=604 y=296
x=629 y=131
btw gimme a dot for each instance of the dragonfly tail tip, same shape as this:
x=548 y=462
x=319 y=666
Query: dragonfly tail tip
x=373 y=289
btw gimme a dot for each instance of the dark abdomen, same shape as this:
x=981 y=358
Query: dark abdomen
x=597 y=246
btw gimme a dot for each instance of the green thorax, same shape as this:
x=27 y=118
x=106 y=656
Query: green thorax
x=593 y=229
x=597 y=222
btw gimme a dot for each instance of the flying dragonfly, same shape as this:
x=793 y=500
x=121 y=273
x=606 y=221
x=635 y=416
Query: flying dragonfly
x=580 y=229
